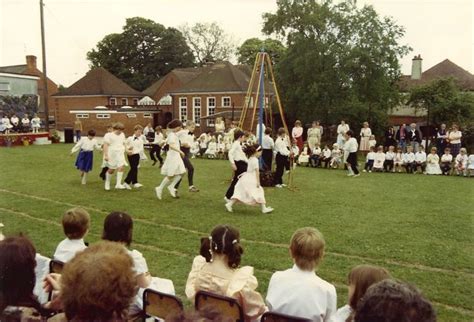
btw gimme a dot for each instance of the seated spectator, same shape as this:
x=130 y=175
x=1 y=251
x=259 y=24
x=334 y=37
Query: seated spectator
x=118 y=227
x=303 y=158
x=360 y=279
x=393 y=301
x=315 y=158
x=409 y=160
x=398 y=160
x=389 y=163
x=461 y=162
x=432 y=162
x=217 y=270
x=336 y=156
x=98 y=284
x=446 y=160
x=299 y=291
x=369 y=160
x=379 y=160
x=211 y=151
x=470 y=165
x=420 y=159
x=76 y=222
x=326 y=158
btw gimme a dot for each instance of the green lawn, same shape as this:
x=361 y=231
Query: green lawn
x=419 y=227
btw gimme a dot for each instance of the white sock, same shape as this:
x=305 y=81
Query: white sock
x=84 y=178
x=264 y=206
x=175 y=180
x=350 y=170
x=232 y=202
x=164 y=183
x=108 y=176
x=119 y=177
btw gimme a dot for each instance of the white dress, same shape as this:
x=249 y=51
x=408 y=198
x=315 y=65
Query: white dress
x=174 y=164
x=304 y=157
x=432 y=164
x=116 y=151
x=365 y=134
x=246 y=190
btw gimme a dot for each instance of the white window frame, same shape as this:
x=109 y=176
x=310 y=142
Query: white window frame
x=131 y=115
x=222 y=101
x=183 y=109
x=197 y=108
x=126 y=101
x=114 y=100
x=102 y=115
x=82 y=115
x=135 y=101
x=211 y=122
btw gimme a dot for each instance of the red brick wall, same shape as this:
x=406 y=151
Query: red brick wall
x=170 y=83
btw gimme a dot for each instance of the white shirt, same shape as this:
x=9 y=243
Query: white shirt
x=159 y=138
x=25 y=121
x=327 y=153
x=316 y=151
x=342 y=313
x=115 y=142
x=35 y=122
x=139 y=262
x=134 y=144
x=470 y=161
x=257 y=130
x=372 y=143
x=398 y=157
x=342 y=129
x=185 y=138
x=453 y=136
x=408 y=157
x=147 y=130
x=14 y=120
x=447 y=158
x=379 y=160
x=5 y=120
x=267 y=142
x=350 y=146
x=68 y=248
x=389 y=155
x=420 y=156
x=365 y=132
x=370 y=156
x=461 y=159
x=303 y=294
x=86 y=144
x=236 y=153
x=281 y=146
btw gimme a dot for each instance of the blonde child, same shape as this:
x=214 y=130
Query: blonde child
x=369 y=160
x=315 y=158
x=114 y=155
x=432 y=162
x=35 y=123
x=409 y=160
x=104 y=167
x=194 y=149
x=420 y=159
x=248 y=189
x=398 y=160
x=315 y=298
x=446 y=160
x=303 y=159
x=360 y=279
x=85 y=158
x=217 y=270
x=379 y=160
x=76 y=223
x=372 y=142
x=336 y=156
x=461 y=162
x=211 y=151
x=389 y=159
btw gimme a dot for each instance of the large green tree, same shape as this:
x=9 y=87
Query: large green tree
x=247 y=52
x=142 y=53
x=341 y=61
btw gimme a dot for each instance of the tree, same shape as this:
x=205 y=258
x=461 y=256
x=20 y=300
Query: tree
x=142 y=53
x=340 y=62
x=247 y=52
x=208 y=41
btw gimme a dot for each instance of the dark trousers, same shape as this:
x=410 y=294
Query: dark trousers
x=281 y=163
x=369 y=165
x=409 y=167
x=445 y=167
x=352 y=160
x=188 y=165
x=155 y=153
x=132 y=175
x=421 y=165
x=388 y=165
x=267 y=156
x=314 y=160
x=241 y=168
x=326 y=161
x=78 y=135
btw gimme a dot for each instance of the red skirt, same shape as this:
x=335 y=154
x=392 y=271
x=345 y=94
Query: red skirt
x=299 y=143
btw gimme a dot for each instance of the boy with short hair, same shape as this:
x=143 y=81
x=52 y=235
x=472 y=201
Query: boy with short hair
x=409 y=160
x=298 y=291
x=420 y=159
x=76 y=223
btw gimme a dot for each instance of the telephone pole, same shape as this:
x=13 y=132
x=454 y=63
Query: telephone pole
x=45 y=77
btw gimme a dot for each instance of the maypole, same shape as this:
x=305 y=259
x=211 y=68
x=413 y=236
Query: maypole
x=262 y=99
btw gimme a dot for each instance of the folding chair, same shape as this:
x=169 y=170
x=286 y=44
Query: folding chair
x=278 y=317
x=56 y=266
x=227 y=306
x=160 y=305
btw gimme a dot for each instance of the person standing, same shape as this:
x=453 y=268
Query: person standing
x=186 y=140
x=441 y=139
x=401 y=137
x=341 y=131
x=134 y=145
x=238 y=161
x=454 y=138
x=114 y=155
x=390 y=138
x=350 y=154
x=78 y=129
x=267 y=149
x=314 y=135
x=297 y=134
x=35 y=123
x=158 y=142
x=282 y=152
x=365 y=134
x=414 y=137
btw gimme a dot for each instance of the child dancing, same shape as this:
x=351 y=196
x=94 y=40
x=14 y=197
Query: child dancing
x=85 y=157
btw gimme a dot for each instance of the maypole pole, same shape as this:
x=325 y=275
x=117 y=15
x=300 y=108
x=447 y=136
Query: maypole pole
x=261 y=99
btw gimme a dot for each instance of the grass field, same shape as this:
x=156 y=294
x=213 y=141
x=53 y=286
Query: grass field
x=419 y=227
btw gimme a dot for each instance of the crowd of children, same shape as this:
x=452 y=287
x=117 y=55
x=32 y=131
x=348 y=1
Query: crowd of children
x=17 y=125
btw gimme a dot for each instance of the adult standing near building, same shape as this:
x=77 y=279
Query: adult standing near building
x=401 y=137
x=78 y=129
x=441 y=139
x=414 y=137
x=314 y=135
x=390 y=138
x=365 y=133
x=186 y=140
x=454 y=138
x=341 y=132
x=297 y=134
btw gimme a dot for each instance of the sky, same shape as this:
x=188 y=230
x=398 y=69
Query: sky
x=436 y=29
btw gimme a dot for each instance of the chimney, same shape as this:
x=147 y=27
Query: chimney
x=416 y=67
x=31 y=62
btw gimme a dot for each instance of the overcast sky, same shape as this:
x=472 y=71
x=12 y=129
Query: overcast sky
x=436 y=29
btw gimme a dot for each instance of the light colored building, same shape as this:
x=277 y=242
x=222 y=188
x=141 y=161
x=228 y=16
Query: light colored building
x=18 y=84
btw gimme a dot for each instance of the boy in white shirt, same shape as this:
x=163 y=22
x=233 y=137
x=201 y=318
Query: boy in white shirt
x=369 y=160
x=379 y=160
x=446 y=160
x=409 y=159
x=314 y=159
x=389 y=159
x=461 y=162
x=76 y=223
x=420 y=159
x=326 y=156
x=134 y=145
x=298 y=291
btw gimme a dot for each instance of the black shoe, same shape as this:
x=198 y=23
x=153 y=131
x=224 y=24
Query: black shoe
x=154 y=162
x=102 y=175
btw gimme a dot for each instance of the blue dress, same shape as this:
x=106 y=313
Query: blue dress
x=84 y=161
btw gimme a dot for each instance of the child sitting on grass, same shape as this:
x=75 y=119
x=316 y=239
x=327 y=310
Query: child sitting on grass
x=336 y=156
x=398 y=160
x=298 y=291
x=409 y=159
x=420 y=159
x=326 y=158
x=303 y=159
x=432 y=162
x=446 y=160
x=369 y=160
x=379 y=160
x=315 y=158
x=461 y=162
x=76 y=223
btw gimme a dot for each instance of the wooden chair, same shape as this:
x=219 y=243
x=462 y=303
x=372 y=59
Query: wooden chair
x=160 y=305
x=226 y=306
x=278 y=317
x=56 y=266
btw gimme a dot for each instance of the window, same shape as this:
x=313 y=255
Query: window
x=197 y=110
x=135 y=101
x=103 y=116
x=124 y=101
x=147 y=116
x=82 y=116
x=131 y=115
x=226 y=101
x=4 y=87
x=183 y=109
x=113 y=101
x=211 y=110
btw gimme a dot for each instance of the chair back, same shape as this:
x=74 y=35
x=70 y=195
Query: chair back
x=278 y=317
x=227 y=306
x=161 y=305
x=56 y=266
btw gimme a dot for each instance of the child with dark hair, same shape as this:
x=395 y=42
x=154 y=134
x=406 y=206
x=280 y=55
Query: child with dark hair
x=85 y=158
x=267 y=146
x=238 y=160
x=446 y=160
x=248 y=189
x=173 y=168
x=156 y=144
x=134 y=145
x=217 y=270
x=282 y=152
x=104 y=166
x=76 y=223
x=369 y=160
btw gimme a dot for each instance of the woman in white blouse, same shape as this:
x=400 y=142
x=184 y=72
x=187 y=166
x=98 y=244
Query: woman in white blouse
x=365 y=134
x=341 y=132
x=454 y=138
x=297 y=134
x=314 y=135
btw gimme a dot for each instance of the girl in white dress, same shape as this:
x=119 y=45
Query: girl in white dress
x=470 y=165
x=461 y=162
x=303 y=158
x=248 y=189
x=114 y=155
x=35 y=123
x=360 y=279
x=432 y=162
x=398 y=160
x=173 y=168
x=211 y=151
x=341 y=132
